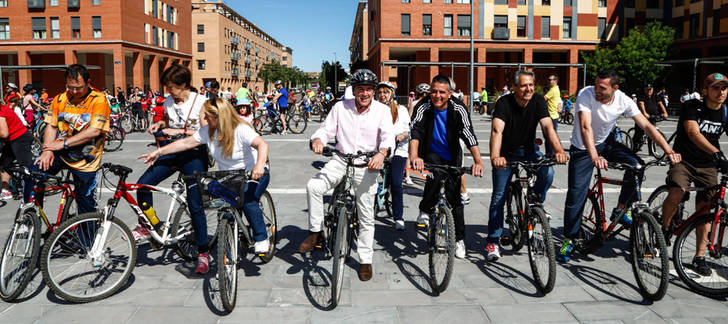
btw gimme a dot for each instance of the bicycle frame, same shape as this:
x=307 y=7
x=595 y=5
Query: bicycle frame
x=632 y=203
x=717 y=201
x=66 y=191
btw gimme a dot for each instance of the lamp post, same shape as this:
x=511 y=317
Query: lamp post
x=472 y=54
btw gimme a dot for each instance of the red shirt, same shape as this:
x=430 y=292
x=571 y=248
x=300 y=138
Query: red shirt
x=158 y=113
x=15 y=126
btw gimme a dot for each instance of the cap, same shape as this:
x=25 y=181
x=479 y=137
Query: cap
x=12 y=85
x=648 y=86
x=714 y=79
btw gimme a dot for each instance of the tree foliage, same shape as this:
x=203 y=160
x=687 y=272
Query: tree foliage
x=291 y=76
x=327 y=74
x=635 y=56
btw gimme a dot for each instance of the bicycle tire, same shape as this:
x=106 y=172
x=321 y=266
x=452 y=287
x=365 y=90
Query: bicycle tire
x=186 y=248
x=23 y=273
x=623 y=138
x=37 y=146
x=388 y=204
x=259 y=124
x=271 y=224
x=655 y=201
x=543 y=248
x=682 y=261
x=114 y=139
x=592 y=227
x=125 y=124
x=227 y=260
x=68 y=209
x=514 y=219
x=296 y=123
x=655 y=150
x=442 y=225
x=570 y=118
x=341 y=250
x=648 y=243
x=61 y=243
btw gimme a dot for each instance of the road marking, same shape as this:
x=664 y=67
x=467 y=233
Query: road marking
x=300 y=191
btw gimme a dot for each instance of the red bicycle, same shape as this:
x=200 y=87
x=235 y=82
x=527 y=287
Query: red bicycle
x=20 y=255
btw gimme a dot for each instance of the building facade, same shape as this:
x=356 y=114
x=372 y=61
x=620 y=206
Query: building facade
x=230 y=49
x=131 y=40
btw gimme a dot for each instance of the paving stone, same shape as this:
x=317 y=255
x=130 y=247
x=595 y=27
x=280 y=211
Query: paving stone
x=681 y=307
x=177 y=314
x=24 y=313
x=531 y=313
x=87 y=313
x=607 y=310
x=344 y=314
x=489 y=296
x=442 y=314
x=268 y=315
x=404 y=297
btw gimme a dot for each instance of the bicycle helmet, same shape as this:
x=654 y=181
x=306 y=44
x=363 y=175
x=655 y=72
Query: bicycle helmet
x=113 y=101
x=28 y=88
x=423 y=88
x=12 y=86
x=279 y=82
x=386 y=84
x=328 y=88
x=245 y=85
x=363 y=77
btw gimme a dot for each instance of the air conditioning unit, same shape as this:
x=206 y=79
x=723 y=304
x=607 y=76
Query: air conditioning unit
x=501 y=33
x=36 y=4
x=74 y=3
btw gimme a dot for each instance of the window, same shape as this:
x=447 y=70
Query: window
x=55 y=28
x=448 y=1
x=155 y=9
x=4 y=3
x=75 y=27
x=285 y=58
x=447 y=22
x=427 y=25
x=716 y=22
x=500 y=21
x=521 y=26
x=546 y=2
x=464 y=1
x=601 y=26
x=96 y=25
x=464 y=25
x=694 y=25
x=521 y=2
x=51 y=3
x=679 y=3
x=501 y=2
x=201 y=47
x=545 y=27
x=170 y=15
x=155 y=35
x=200 y=64
x=653 y=4
x=95 y=2
x=567 y=3
x=601 y=3
x=679 y=25
x=4 y=28
x=200 y=29
x=39 y=27
x=170 y=40
x=567 y=28
x=405 y=1
x=423 y=1
x=405 y=24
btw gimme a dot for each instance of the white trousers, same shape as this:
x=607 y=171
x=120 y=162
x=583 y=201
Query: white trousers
x=365 y=184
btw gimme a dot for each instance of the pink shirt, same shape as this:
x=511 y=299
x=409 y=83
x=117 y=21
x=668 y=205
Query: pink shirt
x=248 y=118
x=369 y=131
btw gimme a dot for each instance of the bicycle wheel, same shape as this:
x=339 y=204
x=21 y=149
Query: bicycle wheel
x=657 y=198
x=514 y=219
x=570 y=118
x=441 y=236
x=715 y=285
x=388 y=204
x=126 y=124
x=70 y=269
x=541 y=251
x=227 y=261
x=20 y=255
x=114 y=139
x=186 y=247
x=259 y=123
x=592 y=227
x=655 y=150
x=624 y=138
x=36 y=147
x=341 y=249
x=296 y=123
x=271 y=225
x=649 y=256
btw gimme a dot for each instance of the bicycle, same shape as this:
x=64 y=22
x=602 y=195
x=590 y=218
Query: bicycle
x=622 y=137
x=114 y=139
x=647 y=242
x=235 y=237
x=566 y=117
x=528 y=223
x=91 y=256
x=441 y=229
x=684 y=230
x=270 y=122
x=21 y=249
x=382 y=200
x=652 y=147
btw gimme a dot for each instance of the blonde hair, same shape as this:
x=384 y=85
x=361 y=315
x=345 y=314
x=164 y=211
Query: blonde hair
x=228 y=120
x=392 y=103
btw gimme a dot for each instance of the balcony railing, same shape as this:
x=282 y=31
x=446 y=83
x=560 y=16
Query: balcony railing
x=235 y=72
x=235 y=56
x=235 y=40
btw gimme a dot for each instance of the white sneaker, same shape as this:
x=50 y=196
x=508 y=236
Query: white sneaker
x=423 y=219
x=493 y=251
x=548 y=217
x=465 y=198
x=460 y=249
x=399 y=225
x=262 y=246
x=408 y=181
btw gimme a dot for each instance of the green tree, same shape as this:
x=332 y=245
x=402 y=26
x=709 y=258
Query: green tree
x=327 y=76
x=271 y=72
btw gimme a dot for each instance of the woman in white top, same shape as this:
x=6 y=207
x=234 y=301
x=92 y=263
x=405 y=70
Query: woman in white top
x=234 y=145
x=401 y=120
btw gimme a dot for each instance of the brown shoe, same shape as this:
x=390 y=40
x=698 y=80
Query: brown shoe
x=365 y=272
x=310 y=242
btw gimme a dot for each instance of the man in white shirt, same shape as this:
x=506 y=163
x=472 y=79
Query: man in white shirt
x=362 y=125
x=695 y=94
x=592 y=144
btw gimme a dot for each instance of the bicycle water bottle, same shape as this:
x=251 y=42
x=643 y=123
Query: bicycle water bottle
x=217 y=189
x=150 y=213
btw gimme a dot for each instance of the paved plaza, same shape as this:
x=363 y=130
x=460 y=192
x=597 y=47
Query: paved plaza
x=294 y=289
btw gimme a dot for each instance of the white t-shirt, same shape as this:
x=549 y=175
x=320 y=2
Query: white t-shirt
x=694 y=95
x=244 y=156
x=604 y=117
x=178 y=113
x=401 y=126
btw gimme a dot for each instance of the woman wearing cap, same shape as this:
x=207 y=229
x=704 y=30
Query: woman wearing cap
x=401 y=119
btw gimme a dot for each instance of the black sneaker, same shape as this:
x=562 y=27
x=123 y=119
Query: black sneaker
x=701 y=267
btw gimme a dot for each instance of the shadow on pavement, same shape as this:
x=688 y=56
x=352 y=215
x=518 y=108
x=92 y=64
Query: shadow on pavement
x=57 y=300
x=507 y=277
x=608 y=284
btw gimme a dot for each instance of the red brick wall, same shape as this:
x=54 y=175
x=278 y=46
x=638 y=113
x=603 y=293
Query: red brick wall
x=388 y=17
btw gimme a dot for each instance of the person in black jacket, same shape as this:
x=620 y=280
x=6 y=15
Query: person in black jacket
x=436 y=128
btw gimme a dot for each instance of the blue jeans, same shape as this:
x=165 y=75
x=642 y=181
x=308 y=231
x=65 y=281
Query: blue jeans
x=501 y=178
x=395 y=180
x=251 y=209
x=84 y=187
x=547 y=144
x=580 y=172
x=188 y=163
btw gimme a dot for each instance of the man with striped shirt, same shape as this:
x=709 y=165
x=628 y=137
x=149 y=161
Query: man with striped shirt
x=436 y=128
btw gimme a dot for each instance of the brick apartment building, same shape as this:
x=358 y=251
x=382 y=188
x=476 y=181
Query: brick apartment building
x=230 y=49
x=131 y=40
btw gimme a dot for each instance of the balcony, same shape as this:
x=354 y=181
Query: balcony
x=247 y=46
x=247 y=60
x=235 y=72
x=235 y=40
x=235 y=56
x=248 y=74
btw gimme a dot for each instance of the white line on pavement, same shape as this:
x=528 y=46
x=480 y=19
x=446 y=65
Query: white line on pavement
x=302 y=191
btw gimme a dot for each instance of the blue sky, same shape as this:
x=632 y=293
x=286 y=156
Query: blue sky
x=314 y=29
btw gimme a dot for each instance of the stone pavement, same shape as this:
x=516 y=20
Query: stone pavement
x=294 y=289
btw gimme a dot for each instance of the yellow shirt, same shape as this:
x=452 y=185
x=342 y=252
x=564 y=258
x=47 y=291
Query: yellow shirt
x=552 y=100
x=72 y=118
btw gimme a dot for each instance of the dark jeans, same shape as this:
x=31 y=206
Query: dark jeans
x=639 y=134
x=188 y=163
x=17 y=149
x=580 y=174
x=84 y=188
x=547 y=144
x=251 y=209
x=431 y=196
x=395 y=181
x=501 y=178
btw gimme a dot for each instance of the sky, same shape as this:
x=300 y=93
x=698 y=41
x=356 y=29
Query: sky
x=314 y=29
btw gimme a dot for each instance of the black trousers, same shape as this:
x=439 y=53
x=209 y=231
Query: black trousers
x=431 y=195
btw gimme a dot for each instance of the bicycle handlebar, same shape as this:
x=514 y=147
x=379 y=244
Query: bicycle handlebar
x=118 y=170
x=24 y=172
x=532 y=165
x=350 y=157
x=447 y=169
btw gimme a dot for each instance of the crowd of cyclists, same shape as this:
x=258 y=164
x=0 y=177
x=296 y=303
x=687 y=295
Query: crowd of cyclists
x=192 y=125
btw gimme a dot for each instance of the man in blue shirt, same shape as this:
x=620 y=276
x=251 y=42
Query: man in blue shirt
x=282 y=99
